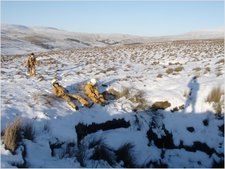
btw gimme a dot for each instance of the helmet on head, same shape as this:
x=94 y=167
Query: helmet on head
x=93 y=81
x=54 y=81
x=32 y=55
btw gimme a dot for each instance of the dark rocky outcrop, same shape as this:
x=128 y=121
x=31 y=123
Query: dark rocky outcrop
x=165 y=141
x=82 y=129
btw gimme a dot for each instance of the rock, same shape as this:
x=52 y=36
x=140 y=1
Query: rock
x=82 y=129
x=205 y=122
x=190 y=129
x=174 y=109
x=164 y=141
x=161 y=105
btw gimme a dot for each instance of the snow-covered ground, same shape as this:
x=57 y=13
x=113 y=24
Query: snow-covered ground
x=190 y=137
x=19 y=39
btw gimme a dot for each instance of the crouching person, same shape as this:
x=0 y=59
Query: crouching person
x=91 y=91
x=61 y=92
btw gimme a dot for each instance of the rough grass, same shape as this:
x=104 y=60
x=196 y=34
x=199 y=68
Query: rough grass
x=169 y=70
x=161 y=105
x=197 y=69
x=179 y=68
x=139 y=101
x=103 y=152
x=207 y=69
x=220 y=61
x=94 y=143
x=118 y=95
x=219 y=73
x=216 y=97
x=12 y=135
x=125 y=153
x=134 y=95
x=43 y=99
x=81 y=154
x=159 y=75
x=29 y=131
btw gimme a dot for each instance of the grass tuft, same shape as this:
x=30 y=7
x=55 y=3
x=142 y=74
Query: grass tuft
x=216 y=96
x=179 y=68
x=12 y=135
x=29 y=131
x=102 y=152
x=125 y=153
x=169 y=70
x=81 y=154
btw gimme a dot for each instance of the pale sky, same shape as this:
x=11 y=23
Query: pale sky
x=146 y=18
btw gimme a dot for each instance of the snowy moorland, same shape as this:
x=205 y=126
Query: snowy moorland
x=19 y=39
x=163 y=115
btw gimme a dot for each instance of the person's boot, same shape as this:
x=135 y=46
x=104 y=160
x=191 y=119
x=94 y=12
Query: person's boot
x=90 y=105
x=73 y=106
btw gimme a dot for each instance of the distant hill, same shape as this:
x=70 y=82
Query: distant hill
x=18 y=39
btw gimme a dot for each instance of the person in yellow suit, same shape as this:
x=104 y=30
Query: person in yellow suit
x=61 y=92
x=30 y=64
x=91 y=91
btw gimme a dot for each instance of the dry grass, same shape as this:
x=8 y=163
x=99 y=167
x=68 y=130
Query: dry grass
x=197 y=69
x=159 y=76
x=12 y=135
x=215 y=97
x=134 y=95
x=105 y=71
x=220 y=61
x=207 y=69
x=139 y=101
x=219 y=73
x=169 y=70
x=43 y=99
x=118 y=95
x=161 y=105
x=179 y=68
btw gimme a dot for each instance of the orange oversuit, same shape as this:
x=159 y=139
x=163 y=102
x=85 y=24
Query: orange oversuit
x=59 y=91
x=92 y=92
x=30 y=64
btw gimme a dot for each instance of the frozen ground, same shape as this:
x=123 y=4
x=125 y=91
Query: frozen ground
x=190 y=137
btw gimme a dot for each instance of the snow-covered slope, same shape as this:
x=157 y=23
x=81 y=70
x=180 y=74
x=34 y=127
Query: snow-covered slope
x=204 y=34
x=188 y=133
x=17 y=39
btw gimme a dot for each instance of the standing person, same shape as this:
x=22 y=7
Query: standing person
x=30 y=64
x=61 y=92
x=91 y=91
